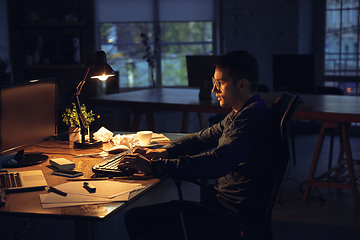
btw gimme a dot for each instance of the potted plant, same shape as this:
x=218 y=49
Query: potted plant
x=71 y=119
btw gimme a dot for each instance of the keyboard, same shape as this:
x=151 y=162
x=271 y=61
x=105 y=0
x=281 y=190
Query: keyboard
x=12 y=180
x=109 y=167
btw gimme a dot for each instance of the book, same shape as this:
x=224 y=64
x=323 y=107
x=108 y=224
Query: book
x=67 y=173
x=62 y=163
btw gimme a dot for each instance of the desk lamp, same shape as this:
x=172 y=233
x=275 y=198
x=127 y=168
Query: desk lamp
x=101 y=70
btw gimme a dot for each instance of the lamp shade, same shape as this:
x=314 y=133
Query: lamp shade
x=101 y=69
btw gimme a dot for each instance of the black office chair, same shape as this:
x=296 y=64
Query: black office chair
x=280 y=117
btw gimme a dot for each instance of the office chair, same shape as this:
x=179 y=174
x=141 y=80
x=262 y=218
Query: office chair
x=280 y=117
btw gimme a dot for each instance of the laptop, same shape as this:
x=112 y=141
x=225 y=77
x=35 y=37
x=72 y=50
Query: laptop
x=24 y=180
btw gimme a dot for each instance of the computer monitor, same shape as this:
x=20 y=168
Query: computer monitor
x=200 y=68
x=28 y=114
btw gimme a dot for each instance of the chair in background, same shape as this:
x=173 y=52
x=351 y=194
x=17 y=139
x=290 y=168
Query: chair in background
x=280 y=117
x=329 y=90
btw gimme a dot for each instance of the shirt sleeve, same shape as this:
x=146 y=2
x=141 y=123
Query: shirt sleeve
x=190 y=156
x=195 y=143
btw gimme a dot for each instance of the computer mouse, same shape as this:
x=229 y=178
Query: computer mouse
x=118 y=149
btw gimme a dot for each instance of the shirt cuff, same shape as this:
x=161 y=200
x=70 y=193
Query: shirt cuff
x=154 y=163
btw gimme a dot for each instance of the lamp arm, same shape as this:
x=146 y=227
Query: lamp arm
x=83 y=124
x=82 y=82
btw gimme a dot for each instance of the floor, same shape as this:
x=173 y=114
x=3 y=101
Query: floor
x=329 y=214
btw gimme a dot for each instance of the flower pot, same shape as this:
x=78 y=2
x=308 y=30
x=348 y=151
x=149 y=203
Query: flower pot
x=74 y=134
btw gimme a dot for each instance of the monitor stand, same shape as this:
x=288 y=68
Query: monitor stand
x=23 y=160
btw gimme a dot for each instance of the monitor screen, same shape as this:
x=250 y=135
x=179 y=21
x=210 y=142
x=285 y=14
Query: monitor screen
x=200 y=68
x=28 y=113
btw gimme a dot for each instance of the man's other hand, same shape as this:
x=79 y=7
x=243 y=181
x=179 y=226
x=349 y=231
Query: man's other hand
x=136 y=161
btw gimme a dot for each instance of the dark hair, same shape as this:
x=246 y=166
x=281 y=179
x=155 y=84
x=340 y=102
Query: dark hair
x=241 y=64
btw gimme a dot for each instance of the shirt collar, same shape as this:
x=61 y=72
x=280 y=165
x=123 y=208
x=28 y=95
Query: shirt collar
x=253 y=99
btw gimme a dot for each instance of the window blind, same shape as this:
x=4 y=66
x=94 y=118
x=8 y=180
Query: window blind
x=144 y=10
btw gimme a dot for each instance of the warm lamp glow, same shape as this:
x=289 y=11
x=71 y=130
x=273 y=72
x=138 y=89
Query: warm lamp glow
x=102 y=77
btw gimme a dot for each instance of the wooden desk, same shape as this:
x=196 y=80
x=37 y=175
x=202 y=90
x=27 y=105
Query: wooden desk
x=334 y=111
x=148 y=101
x=28 y=204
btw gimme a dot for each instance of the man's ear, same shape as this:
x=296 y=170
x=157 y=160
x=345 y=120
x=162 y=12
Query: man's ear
x=241 y=84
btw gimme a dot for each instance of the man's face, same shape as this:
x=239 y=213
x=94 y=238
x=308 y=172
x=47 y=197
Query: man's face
x=227 y=94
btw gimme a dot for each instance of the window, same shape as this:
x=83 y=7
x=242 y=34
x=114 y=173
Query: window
x=342 y=36
x=161 y=35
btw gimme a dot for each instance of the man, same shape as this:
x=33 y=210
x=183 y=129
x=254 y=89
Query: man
x=233 y=152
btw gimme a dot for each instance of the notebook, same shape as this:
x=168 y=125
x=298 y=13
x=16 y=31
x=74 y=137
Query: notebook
x=23 y=180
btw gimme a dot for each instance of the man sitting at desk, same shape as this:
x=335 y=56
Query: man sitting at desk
x=232 y=152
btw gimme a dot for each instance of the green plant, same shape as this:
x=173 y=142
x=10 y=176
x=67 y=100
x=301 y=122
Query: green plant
x=71 y=118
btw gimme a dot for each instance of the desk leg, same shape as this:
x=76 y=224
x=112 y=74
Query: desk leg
x=85 y=230
x=314 y=162
x=350 y=162
x=185 y=122
x=351 y=185
x=202 y=120
x=149 y=119
x=136 y=121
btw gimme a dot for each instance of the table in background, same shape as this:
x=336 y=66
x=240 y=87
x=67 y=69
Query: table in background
x=27 y=204
x=148 y=101
x=333 y=111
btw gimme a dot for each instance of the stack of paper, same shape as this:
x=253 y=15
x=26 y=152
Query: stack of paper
x=160 y=138
x=106 y=191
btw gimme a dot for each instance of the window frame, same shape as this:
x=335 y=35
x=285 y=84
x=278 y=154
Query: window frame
x=340 y=81
x=156 y=24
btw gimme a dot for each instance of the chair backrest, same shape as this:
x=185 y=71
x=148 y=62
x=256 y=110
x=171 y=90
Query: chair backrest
x=329 y=90
x=280 y=116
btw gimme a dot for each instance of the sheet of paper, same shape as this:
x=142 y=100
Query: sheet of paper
x=104 y=189
x=69 y=204
x=56 y=205
x=53 y=200
x=73 y=198
x=160 y=138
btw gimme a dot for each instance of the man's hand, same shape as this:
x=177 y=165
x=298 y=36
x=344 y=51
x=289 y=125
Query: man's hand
x=136 y=161
x=151 y=153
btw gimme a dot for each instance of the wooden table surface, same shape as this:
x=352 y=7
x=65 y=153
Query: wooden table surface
x=28 y=203
x=313 y=107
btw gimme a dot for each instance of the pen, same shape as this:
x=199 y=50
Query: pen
x=87 y=179
x=132 y=177
x=89 y=187
x=57 y=191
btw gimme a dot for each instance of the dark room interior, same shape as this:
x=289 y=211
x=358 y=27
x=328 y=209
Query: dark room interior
x=299 y=48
